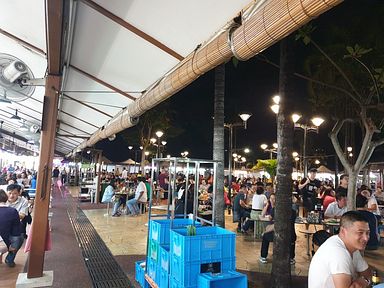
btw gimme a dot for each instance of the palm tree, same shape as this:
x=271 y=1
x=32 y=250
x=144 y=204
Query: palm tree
x=281 y=271
x=218 y=143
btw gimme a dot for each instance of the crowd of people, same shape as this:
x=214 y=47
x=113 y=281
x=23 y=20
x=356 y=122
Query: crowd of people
x=359 y=230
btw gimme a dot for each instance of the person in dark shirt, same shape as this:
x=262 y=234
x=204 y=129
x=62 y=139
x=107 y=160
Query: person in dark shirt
x=374 y=238
x=343 y=186
x=240 y=207
x=268 y=238
x=308 y=187
x=10 y=228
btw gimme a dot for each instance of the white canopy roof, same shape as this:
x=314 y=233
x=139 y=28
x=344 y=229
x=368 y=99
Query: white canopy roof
x=113 y=52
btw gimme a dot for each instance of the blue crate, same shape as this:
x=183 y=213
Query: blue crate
x=231 y=279
x=163 y=279
x=173 y=283
x=159 y=230
x=152 y=269
x=210 y=244
x=164 y=258
x=186 y=273
x=153 y=251
x=139 y=275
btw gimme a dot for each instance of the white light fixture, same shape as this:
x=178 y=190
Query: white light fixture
x=317 y=121
x=317 y=162
x=246 y=150
x=350 y=154
x=234 y=154
x=146 y=153
x=245 y=117
x=88 y=151
x=243 y=159
x=159 y=133
x=263 y=146
x=141 y=147
x=349 y=149
x=163 y=143
x=130 y=147
x=295 y=117
x=275 y=145
x=297 y=158
x=23 y=127
x=275 y=108
x=168 y=156
x=276 y=99
x=112 y=137
x=295 y=154
x=153 y=140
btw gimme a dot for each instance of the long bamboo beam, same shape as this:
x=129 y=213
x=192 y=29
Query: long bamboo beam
x=271 y=22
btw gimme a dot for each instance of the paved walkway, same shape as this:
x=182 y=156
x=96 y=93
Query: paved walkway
x=126 y=237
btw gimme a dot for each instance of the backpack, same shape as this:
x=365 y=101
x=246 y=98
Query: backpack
x=318 y=238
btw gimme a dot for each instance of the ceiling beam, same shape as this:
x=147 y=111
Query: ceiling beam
x=23 y=42
x=87 y=105
x=72 y=136
x=79 y=119
x=132 y=29
x=69 y=125
x=117 y=90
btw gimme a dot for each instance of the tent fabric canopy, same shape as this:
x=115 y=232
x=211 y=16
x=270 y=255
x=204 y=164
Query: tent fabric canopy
x=129 y=162
x=122 y=58
x=323 y=169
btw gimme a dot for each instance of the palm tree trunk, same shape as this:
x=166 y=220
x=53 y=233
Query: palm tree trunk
x=281 y=270
x=218 y=143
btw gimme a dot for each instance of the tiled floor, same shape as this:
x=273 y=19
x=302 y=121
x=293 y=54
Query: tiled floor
x=128 y=236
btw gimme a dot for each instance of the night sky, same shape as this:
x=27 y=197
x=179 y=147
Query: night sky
x=249 y=88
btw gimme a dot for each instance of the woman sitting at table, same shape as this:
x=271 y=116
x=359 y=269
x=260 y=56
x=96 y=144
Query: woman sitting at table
x=328 y=197
x=259 y=201
x=109 y=192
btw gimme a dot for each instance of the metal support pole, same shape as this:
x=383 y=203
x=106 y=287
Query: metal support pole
x=230 y=162
x=305 y=160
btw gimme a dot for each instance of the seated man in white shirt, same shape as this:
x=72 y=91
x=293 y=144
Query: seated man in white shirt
x=337 y=208
x=338 y=262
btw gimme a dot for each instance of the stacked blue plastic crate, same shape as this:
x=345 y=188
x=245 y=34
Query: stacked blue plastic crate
x=210 y=245
x=177 y=260
x=140 y=271
x=158 y=252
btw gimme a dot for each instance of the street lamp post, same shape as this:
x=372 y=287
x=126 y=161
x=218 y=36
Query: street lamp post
x=244 y=117
x=159 y=134
x=316 y=122
x=270 y=150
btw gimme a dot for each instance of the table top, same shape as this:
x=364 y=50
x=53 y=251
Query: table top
x=331 y=222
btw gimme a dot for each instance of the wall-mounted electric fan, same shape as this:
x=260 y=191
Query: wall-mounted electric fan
x=14 y=74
